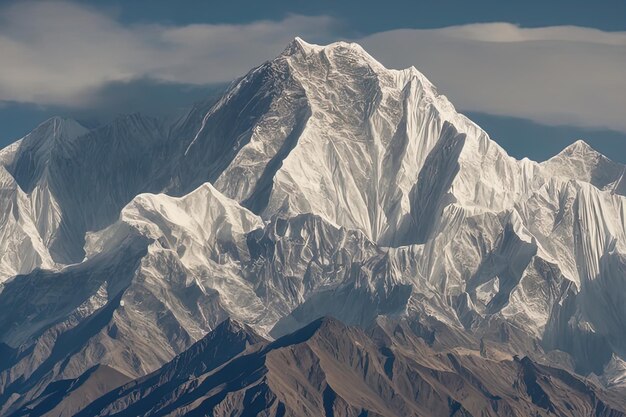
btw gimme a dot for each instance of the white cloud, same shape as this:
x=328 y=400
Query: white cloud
x=553 y=75
x=58 y=52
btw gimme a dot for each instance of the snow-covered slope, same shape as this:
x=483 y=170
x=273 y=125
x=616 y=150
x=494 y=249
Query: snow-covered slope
x=34 y=209
x=32 y=159
x=329 y=130
x=321 y=183
x=78 y=180
x=149 y=287
x=21 y=246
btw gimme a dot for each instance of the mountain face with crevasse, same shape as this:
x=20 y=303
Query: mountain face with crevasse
x=321 y=184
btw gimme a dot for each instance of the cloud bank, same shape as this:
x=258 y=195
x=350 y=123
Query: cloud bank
x=63 y=53
x=57 y=52
x=554 y=75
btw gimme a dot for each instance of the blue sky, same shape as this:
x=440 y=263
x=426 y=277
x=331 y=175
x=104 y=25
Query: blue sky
x=535 y=74
x=369 y=16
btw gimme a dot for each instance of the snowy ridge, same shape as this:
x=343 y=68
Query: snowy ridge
x=200 y=221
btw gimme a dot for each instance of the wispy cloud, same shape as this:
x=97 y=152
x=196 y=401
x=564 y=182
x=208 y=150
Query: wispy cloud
x=58 y=52
x=555 y=75
x=63 y=53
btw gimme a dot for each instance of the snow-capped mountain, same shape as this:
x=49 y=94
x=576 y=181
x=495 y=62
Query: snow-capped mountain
x=320 y=183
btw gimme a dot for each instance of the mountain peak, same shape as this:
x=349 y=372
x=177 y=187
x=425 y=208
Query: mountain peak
x=581 y=150
x=298 y=46
x=231 y=329
x=581 y=162
x=578 y=147
x=30 y=156
x=230 y=325
x=57 y=128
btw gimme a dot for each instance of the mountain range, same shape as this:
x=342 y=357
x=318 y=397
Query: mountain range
x=328 y=237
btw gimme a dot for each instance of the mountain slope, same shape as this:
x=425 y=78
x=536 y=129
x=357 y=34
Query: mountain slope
x=132 y=304
x=329 y=369
x=67 y=397
x=228 y=340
